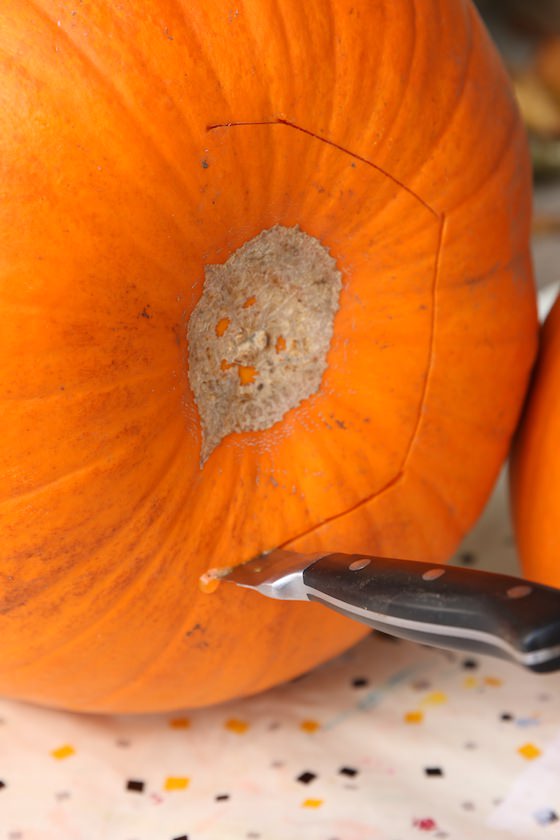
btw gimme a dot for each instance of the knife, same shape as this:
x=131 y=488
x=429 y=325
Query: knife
x=438 y=605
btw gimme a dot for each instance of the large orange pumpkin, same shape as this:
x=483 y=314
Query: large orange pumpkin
x=535 y=464
x=371 y=383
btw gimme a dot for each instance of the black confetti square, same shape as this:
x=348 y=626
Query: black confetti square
x=348 y=771
x=135 y=785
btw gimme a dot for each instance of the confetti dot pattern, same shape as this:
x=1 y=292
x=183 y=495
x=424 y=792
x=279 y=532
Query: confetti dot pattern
x=529 y=751
x=63 y=752
x=414 y=717
x=236 y=725
x=176 y=783
x=179 y=723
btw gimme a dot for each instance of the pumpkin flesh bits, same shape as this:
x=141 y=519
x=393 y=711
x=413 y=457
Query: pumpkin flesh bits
x=264 y=281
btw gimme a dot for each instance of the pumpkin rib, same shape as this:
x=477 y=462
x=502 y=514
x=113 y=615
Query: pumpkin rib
x=108 y=577
x=286 y=122
x=428 y=484
x=329 y=519
x=114 y=698
x=86 y=467
x=331 y=113
x=77 y=394
x=408 y=452
x=284 y=43
x=116 y=98
x=495 y=169
x=446 y=125
x=142 y=503
x=71 y=475
x=197 y=31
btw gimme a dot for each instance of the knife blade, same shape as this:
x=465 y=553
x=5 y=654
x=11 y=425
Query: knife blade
x=438 y=605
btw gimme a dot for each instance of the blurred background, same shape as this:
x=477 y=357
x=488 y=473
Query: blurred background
x=527 y=33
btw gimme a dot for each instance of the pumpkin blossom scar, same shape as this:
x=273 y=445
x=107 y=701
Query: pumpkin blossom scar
x=260 y=333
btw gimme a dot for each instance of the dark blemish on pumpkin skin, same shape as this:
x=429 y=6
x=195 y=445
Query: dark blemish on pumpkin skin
x=196 y=629
x=145 y=313
x=204 y=163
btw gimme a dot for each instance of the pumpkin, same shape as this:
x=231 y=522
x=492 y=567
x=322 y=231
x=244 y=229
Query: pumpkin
x=264 y=281
x=534 y=465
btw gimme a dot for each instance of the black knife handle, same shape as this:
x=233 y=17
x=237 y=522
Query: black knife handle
x=445 y=606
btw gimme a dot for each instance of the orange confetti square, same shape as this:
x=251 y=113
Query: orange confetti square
x=63 y=752
x=236 y=725
x=414 y=717
x=179 y=723
x=436 y=698
x=529 y=751
x=494 y=681
x=176 y=783
x=312 y=803
x=309 y=725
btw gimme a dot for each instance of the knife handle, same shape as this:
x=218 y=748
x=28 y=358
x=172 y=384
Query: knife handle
x=444 y=606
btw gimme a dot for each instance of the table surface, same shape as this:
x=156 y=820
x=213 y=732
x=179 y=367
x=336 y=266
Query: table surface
x=391 y=741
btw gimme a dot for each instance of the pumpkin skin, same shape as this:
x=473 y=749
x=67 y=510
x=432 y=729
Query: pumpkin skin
x=143 y=140
x=534 y=464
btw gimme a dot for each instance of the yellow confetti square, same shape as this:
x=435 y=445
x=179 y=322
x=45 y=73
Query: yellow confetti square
x=309 y=725
x=176 y=783
x=414 y=717
x=529 y=751
x=311 y=803
x=470 y=682
x=236 y=725
x=63 y=752
x=179 y=723
x=435 y=698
